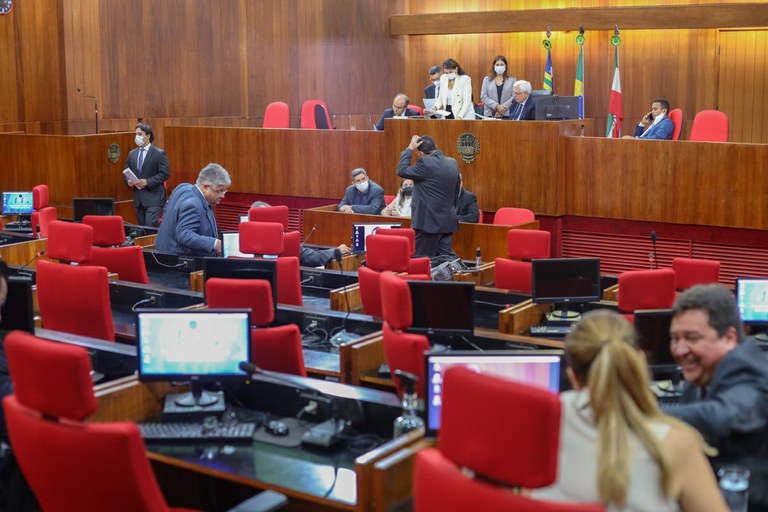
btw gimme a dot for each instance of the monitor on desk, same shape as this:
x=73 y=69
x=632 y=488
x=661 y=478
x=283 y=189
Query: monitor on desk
x=361 y=230
x=652 y=327
x=18 y=311
x=17 y=203
x=205 y=345
x=557 y=108
x=565 y=281
x=752 y=300
x=242 y=269
x=442 y=308
x=82 y=206
x=540 y=368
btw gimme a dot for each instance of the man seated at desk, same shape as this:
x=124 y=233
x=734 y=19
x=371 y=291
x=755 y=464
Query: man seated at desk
x=524 y=106
x=655 y=125
x=726 y=396
x=189 y=226
x=363 y=196
x=399 y=109
x=466 y=207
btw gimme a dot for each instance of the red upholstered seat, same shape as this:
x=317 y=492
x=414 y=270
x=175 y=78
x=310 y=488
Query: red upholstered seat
x=40 y=197
x=676 y=116
x=692 y=271
x=107 y=229
x=514 y=275
x=127 y=262
x=646 y=289
x=513 y=216
x=277 y=115
x=43 y=219
x=270 y=214
x=418 y=266
x=523 y=244
x=87 y=312
x=261 y=238
x=69 y=241
x=255 y=294
x=396 y=305
x=388 y=253
x=405 y=351
x=278 y=349
x=309 y=118
x=710 y=126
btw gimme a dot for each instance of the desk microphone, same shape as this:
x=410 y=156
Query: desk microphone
x=95 y=106
x=19 y=270
x=652 y=256
x=314 y=227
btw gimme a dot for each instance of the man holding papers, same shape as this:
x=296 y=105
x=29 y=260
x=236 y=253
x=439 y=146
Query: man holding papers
x=146 y=171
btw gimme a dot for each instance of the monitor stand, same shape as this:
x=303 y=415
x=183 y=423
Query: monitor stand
x=194 y=404
x=563 y=316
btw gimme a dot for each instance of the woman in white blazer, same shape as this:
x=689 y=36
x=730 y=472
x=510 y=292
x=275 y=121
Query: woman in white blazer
x=496 y=93
x=455 y=92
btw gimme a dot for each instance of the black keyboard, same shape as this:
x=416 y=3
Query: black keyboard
x=190 y=432
x=546 y=331
x=24 y=226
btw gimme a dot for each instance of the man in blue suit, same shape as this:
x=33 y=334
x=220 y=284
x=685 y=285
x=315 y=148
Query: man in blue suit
x=363 y=196
x=189 y=226
x=399 y=109
x=523 y=108
x=661 y=127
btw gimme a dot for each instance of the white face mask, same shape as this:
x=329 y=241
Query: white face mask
x=500 y=69
x=362 y=187
x=139 y=140
x=451 y=76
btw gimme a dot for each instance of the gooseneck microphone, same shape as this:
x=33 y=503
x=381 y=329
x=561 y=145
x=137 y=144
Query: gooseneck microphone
x=95 y=106
x=27 y=264
x=311 y=231
x=652 y=257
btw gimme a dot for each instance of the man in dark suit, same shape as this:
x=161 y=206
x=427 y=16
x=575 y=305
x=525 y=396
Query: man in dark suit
x=655 y=125
x=435 y=194
x=189 y=226
x=524 y=106
x=430 y=91
x=363 y=196
x=150 y=165
x=466 y=207
x=399 y=108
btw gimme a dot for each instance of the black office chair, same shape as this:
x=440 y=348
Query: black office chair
x=321 y=118
x=541 y=92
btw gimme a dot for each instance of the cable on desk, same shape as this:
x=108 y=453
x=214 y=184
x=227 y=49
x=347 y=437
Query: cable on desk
x=142 y=301
x=178 y=265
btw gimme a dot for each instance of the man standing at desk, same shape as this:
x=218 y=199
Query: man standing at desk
x=150 y=165
x=363 y=196
x=189 y=226
x=435 y=194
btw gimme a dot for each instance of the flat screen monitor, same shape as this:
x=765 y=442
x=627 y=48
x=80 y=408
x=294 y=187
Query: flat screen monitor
x=17 y=203
x=361 y=230
x=230 y=245
x=196 y=345
x=565 y=281
x=557 y=108
x=752 y=300
x=82 y=206
x=652 y=326
x=244 y=217
x=242 y=269
x=540 y=368
x=443 y=308
x=18 y=312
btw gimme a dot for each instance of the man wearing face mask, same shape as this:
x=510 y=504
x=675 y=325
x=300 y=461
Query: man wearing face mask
x=150 y=165
x=363 y=196
x=431 y=91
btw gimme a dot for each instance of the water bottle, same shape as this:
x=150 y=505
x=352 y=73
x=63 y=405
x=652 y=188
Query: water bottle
x=734 y=484
x=409 y=420
x=477 y=259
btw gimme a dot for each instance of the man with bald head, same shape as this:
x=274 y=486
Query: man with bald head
x=399 y=109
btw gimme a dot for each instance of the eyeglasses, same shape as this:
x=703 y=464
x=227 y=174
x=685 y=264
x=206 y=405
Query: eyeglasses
x=217 y=192
x=395 y=107
x=518 y=93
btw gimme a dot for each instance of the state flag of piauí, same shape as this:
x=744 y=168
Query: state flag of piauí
x=578 y=86
x=548 y=72
x=615 y=108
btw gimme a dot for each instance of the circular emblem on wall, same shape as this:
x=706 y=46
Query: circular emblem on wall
x=468 y=147
x=6 y=6
x=113 y=153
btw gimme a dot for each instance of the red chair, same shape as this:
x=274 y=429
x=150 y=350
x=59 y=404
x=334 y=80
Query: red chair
x=391 y=253
x=513 y=216
x=276 y=349
x=522 y=244
x=646 y=289
x=40 y=197
x=43 y=219
x=417 y=109
x=309 y=115
x=277 y=115
x=69 y=241
x=63 y=457
x=86 y=313
x=107 y=229
x=676 y=116
x=127 y=262
x=419 y=266
x=388 y=199
x=692 y=271
x=291 y=239
x=710 y=126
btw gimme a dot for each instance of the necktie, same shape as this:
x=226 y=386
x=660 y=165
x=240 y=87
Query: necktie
x=141 y=159
x=517 y=112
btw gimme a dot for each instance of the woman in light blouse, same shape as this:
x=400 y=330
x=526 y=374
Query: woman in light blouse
x=401 y=204
x=496 y=93
x=455 y=92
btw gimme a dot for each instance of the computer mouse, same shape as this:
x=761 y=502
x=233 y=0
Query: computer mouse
x=278 y=428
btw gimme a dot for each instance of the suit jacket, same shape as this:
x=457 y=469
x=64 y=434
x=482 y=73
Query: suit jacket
x=466 y=207
x=489 y=95
x=389 y=114
x=435 y=192
x=461 y=97
x=429 y=91
x=374 y=200
x=659 y=131
x=529 y=109
x=155 y=170
x=188 y=227
x=733 y=416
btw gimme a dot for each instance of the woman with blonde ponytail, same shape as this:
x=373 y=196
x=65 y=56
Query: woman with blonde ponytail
x=616 y=447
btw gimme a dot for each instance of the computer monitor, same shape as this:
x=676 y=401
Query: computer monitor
x=540 y=368
x=82 y=206
x=652 y=327
x=205 y=345
x=565 y=281
x=244 y=217
x=442 y=308
x=17 y=203
x=18 y=312
x=230 y=245
x=752 y=300
x=361 y=230
x=242 y=269
x=557 y=108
